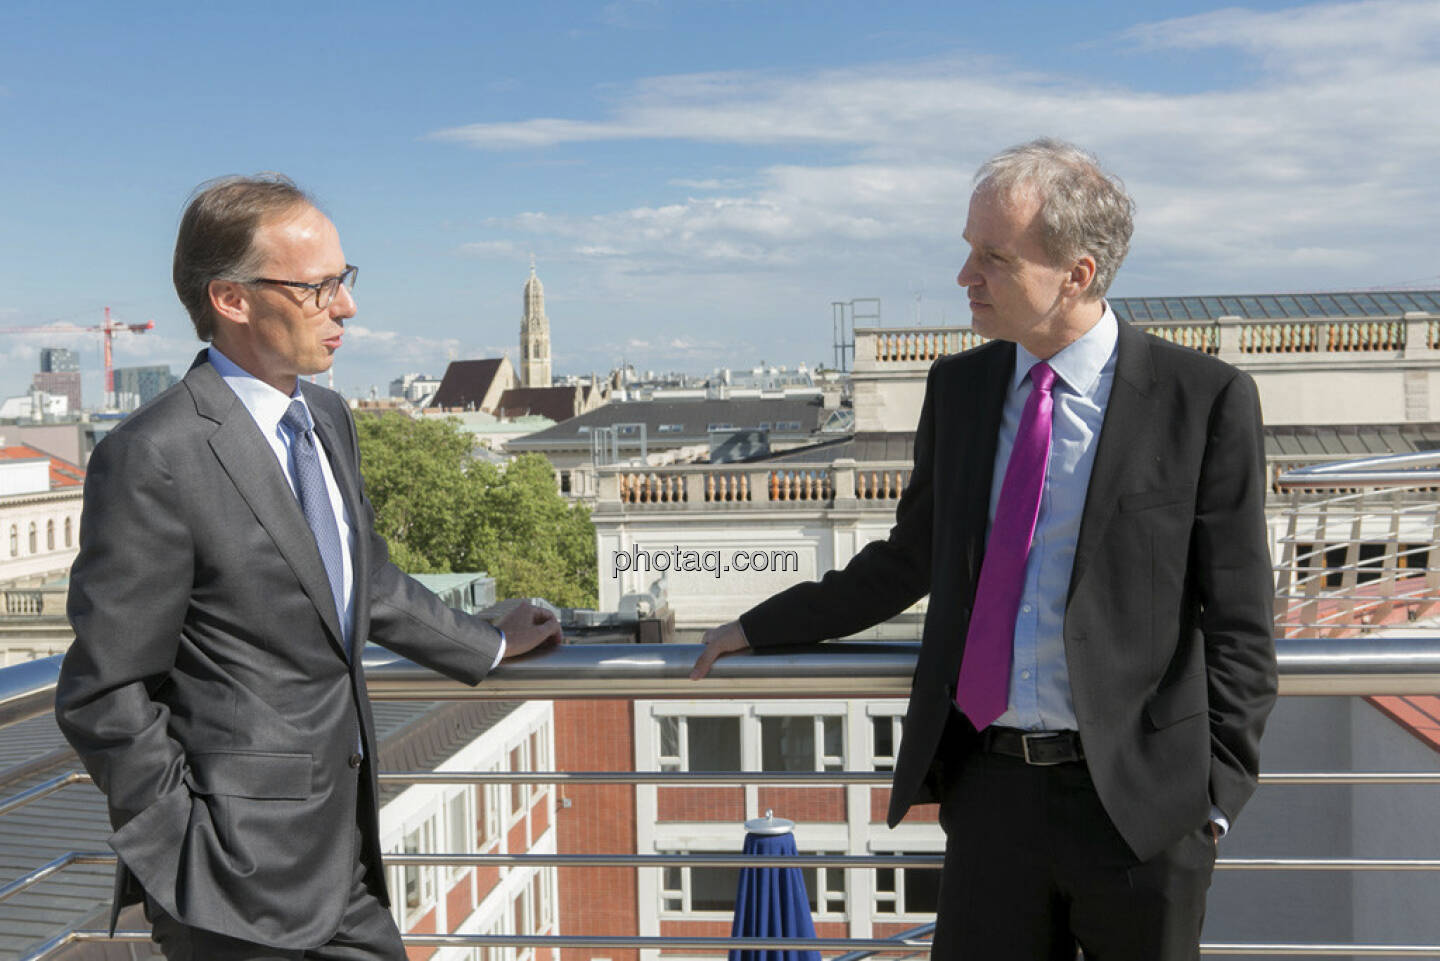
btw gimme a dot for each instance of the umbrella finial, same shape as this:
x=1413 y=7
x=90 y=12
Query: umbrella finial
x=769 y=824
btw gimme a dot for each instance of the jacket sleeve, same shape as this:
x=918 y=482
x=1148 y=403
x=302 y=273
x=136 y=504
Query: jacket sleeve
x=408 y=618
x=1236 y=584
x=881 y=580
x=129 y=593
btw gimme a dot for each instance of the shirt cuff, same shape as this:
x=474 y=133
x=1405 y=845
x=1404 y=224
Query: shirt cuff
x=1221 y=822
x=500 y=654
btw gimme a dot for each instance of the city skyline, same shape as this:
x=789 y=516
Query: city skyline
x=698 y=182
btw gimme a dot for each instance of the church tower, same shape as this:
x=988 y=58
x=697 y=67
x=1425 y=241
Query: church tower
x=534 y=335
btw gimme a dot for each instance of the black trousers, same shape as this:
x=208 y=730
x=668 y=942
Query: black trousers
x=1036 y=871
x=367 y=933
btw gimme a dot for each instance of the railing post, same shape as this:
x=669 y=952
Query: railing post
x=1228 y=338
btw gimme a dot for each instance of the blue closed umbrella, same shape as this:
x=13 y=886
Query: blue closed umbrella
x=771 y=902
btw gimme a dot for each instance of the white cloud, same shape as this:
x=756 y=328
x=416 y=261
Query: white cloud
x=1315 y=169
x=490 y=248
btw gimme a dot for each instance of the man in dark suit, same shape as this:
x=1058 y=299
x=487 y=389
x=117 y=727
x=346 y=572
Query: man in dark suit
x=229 y=574
x=1086 y=515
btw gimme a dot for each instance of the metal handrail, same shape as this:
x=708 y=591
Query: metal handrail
x=1390 y=470
x=850 y=669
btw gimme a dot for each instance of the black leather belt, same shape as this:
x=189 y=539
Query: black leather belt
x=1033 y=747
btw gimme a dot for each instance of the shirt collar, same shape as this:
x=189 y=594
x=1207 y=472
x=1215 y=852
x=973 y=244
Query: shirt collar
x=265 y=404
x=1079 y=364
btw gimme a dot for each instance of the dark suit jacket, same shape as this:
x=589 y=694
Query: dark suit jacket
x=208 y=691
x=1168 y=618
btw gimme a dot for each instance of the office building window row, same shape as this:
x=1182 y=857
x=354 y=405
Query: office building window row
x=750 y=738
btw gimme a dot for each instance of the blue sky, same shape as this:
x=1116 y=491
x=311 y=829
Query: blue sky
x=698 y=181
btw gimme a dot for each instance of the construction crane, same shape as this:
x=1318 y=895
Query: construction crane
x=107 y=332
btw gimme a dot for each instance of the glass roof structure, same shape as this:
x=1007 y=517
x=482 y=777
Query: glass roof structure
x=1355 y=304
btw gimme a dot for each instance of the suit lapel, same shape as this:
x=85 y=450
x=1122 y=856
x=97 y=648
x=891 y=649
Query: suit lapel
x=250 y=463
x=984 y=419
x=1125 y=421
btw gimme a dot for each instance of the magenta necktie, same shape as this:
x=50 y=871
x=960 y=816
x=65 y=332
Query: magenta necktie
x=982 y=690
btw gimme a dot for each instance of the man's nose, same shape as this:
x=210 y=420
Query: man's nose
x=967 y=277
x=343 y=306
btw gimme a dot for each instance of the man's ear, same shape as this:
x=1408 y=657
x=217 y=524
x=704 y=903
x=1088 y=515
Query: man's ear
x=230 y=300
x=1082 y=275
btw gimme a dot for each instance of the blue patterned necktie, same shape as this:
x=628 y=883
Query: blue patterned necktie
x=315 y=502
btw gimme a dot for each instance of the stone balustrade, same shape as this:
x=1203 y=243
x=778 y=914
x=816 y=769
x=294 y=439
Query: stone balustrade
x=722 y=486
x=1232 y=338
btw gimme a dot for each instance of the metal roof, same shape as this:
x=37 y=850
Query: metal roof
x=1357 y=304
x=413 y=735
x=676 y=423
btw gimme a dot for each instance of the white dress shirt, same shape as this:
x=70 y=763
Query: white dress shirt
x=267 y=406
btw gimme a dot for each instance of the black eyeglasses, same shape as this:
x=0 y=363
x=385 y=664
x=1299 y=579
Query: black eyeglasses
x=325 y=290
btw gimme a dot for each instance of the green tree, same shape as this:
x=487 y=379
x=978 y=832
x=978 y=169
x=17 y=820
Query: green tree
x=441 y=510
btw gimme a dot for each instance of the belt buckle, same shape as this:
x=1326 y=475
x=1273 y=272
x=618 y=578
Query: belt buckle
x=1027 y=737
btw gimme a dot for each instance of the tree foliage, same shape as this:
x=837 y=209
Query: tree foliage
x=442 y=511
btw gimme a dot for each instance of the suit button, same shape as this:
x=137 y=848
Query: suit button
x=354 y=760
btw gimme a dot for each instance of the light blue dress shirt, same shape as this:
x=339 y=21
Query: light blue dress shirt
x=1040 y=697
x=1085 y=371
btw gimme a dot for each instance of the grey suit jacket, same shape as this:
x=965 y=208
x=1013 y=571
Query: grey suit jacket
x=1169 y=611
x=208 y=691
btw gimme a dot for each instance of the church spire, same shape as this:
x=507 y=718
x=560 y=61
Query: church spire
x=534 y=334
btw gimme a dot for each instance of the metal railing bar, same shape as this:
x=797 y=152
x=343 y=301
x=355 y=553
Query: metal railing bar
x=816 y=944
x=590 y=941
x=1358 y=777
x=43 y=789
x=693 y=778
x=1324 y=950
x=1336 y=666
x=921 y=931
x=719 y=860
x=668 y=778
x=26 y=881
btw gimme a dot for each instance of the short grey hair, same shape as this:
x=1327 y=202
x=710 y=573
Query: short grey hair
x=1084 y=209
x=216 y=240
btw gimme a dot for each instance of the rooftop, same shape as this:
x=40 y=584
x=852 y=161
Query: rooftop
x=1352 y=304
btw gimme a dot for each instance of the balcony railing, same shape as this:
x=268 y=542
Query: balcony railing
x=1232 y=338
x=746 y=486
x=1355 y=559
x=850 y=670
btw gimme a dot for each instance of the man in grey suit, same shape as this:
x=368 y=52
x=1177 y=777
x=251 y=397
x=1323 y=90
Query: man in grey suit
x=229 y=574
x=1096 y=669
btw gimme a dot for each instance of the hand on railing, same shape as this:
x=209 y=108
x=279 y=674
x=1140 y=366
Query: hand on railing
x=719 y=641
x=526 y=627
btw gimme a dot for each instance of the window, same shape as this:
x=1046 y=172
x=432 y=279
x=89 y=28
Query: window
x=14 y=540
x=804 y=743
x=720 y=427
x=699 y=743
x=50 y=534
x=787 y=425
x=827 y=890
x=69 y=539
x=906 y=891
x=684 y=890
x=487 y=818
x=538 y=760
x=458 y=837
x=670 y=428
x=419 y=881
x=518 y=792
x=34 y=538
x=885 y=740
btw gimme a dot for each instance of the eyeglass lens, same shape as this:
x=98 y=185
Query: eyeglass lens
x=331 y=286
